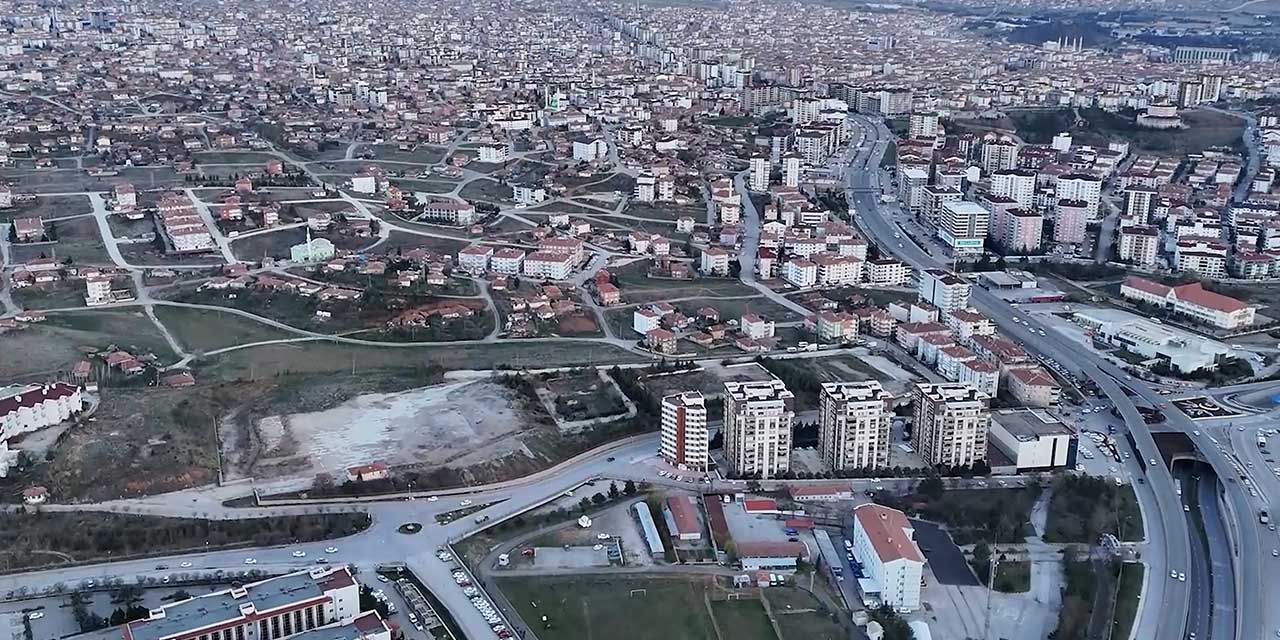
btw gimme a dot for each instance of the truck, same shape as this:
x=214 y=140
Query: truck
x=1262 y=442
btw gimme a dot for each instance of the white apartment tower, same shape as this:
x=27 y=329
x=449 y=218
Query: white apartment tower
x=757 y=427
x=853 y=425
x=1017 y=185
x=684 y=431
x=759 y=173
x=951 y=423
x=922 y=125
x=1081 y=187
x=791 y=169
x=944 y=290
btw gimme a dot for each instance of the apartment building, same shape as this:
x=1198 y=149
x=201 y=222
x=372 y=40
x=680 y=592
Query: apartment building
x=1021 y=231
x=684 y=431
x=1070 y=221
x=1018 y=185
x=1139 y=245
x=853 y=424
x=963 y=227
x=1085 y=188
x=759 y=175
x=757 y=427
x=892 y=564
x=26 y=409
x=943 y=289
x=951 y=423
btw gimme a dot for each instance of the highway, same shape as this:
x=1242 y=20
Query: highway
x=1168 y=621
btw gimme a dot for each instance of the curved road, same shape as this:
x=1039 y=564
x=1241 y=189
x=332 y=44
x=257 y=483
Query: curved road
x=1168 y=621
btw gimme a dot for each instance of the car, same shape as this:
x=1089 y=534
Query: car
x=610 y=459
x=1275 y=553
x=251 y=561
x=161 y=567
x=433 y=498
x=465 y=503
x=36 y=615
x=382 y=578
x=1182 y=577
x=1173 y=574
x=299 y=554
x=331 y=550
x=1186 y=508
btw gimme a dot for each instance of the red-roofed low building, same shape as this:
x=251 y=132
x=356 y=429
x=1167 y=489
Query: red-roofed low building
x=37 y=406
x=367 y=472
x=682 y=518
x=821 y=492
x=883 y=542
x=760 y=505
x=1191 y=300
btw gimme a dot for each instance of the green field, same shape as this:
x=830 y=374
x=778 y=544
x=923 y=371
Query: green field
x=204 y=330
x=590 y=608
x=1127 y=598
x=54 y=345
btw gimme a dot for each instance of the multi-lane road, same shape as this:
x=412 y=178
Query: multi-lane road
x=1167 y=527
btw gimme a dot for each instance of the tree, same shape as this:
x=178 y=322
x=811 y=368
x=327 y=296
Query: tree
x=629 y=488
x=599 y=499
x=931 y=487
x=613 y=491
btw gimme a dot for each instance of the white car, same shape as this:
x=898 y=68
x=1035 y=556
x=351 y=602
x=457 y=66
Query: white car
x=465 y=503
x=433 y=498
x=1173 y=574
x=299 y=554
x=36 y=615
x=251 y=561
x=185 y=565
x=1182 y=577
x=331 y=550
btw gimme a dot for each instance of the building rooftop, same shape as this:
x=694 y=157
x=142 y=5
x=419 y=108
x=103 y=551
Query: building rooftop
x=1028 y=425
x=889 y=532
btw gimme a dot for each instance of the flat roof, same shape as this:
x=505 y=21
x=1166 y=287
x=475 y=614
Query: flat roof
x=1030 y=424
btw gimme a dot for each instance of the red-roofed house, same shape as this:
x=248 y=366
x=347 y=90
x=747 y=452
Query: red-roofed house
x=883 y=542
x=367 y=472
x=682 y=518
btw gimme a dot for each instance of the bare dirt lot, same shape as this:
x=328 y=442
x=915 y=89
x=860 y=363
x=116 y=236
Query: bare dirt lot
x=459 y=423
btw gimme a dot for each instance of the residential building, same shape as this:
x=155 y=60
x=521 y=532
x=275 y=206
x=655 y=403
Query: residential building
x=886 y=272
x=474 y=259
x=1139 y=244
x=800 y=273
x=1018 y=185
x=922 y=125
x=589 y=149
x=1070 y=221
x=97 y=290
x=963 y=227
x=757 y=427
x=951 y=422
x=26 y=409
x=1022 y=231
x=714 y=261
x=1033 y=387
x=1081 y=187
x=507 y=261
x=892 y=564
x=759 y=173
x=853 y=424
x=791 y=163
x=684 y=431
x=549 y=265
x=943 y=289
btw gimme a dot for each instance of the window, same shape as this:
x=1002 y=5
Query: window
x=240 y=632
x=297 y=620
x=311 y=618
x=288 y=624
x=275 y=627
x=262 y=630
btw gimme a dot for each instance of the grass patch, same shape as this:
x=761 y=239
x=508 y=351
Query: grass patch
x=1078 y=599
x=802 y=616
x=1084 y=507
x=42 y=539
x=1013 y=576
x=202 y=330
x=599 y=608
x=742 y=619
x=972 y=515
x=1127 y=597
x=1204 y=129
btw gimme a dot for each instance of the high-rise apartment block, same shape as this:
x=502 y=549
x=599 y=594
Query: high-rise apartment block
x=951 y=423
x=853 y=424
x=757 y=427
x=944 y=290
x=684 y=431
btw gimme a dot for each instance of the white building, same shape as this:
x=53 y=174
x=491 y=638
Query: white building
x=1033 y=439
x=922 y=125
x=475 y=259
x=507 y=261
x=759 y=176
x=322 y=598
x=528 y=194
x=800 y=273
x=646 y=187
x=757 y=427
x=684 y=431
x=1084 y=188
x=1018 y=185
x=1181 y=350
x=963 y=227
x=884 y=544
x=951 y=422
x=548 y=265
x=97 y=290
x=714 y=261
x=944 y=290
x=494 y=153
x=312 y=251
x=853 y=424
x=26 y=409
x=791 y=169
x=589 y=149
x=1191 y=300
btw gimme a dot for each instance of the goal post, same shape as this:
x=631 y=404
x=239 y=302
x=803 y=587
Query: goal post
x=638 y=592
